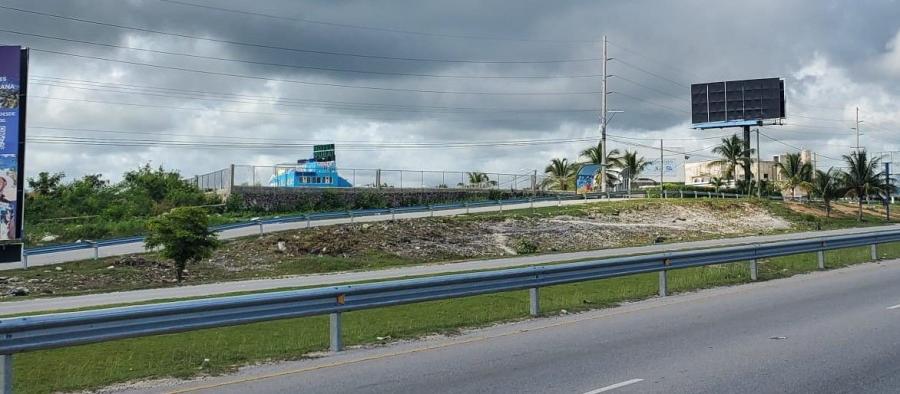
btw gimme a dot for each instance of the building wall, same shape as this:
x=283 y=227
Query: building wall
x=700 y=173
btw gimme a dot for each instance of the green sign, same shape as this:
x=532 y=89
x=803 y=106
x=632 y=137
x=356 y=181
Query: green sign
x=323 y=152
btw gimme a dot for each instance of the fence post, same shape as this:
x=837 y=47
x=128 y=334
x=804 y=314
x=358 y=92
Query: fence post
x=6 y=376
x=334 y=332
x=753 y=270
x=535 y=304
x=874 y=252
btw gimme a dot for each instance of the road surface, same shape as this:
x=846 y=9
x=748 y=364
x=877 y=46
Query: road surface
x=138 y=247
x=46 y=304
x=835 y=332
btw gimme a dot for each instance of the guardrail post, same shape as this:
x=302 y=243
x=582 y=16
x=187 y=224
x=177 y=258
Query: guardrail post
x=335 y=332
x=535 y=301
x=24 y=261
x=821 y=257
x=466 y=204
x=431 y=209
x=558 y=201
x=308 y=221
x=500 y=202
x=531 y=202
x=708 y=194
x=350 y=214
x=663 y=283
x=96 y=251
x=6 y=377
x=393 y=214
x=874 y=252
x=681 y=194
x=753 y=271
x=260 y=223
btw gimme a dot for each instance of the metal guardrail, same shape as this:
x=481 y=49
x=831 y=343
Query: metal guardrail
x=351 y=214
x=29 y=333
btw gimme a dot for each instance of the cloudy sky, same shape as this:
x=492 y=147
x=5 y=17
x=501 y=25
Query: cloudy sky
x=196 y=85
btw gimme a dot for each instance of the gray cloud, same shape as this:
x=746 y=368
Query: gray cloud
x=834 y=55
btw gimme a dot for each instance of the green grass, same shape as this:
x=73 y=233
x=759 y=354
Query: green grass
x=183 y=355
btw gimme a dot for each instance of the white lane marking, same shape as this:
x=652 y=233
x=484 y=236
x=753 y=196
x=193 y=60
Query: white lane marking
x=614 y=386
x=894 y=307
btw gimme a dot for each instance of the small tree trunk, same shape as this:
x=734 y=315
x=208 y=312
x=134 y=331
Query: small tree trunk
x=179 y=271
x=859 y=212
x=827 y=209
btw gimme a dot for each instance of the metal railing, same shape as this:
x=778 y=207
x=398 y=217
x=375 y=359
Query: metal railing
x=29 y=333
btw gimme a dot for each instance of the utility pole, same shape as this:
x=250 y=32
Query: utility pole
x=857 y=131
x=603 y=121
x=887 y=199
x=758 y=172
x=661 y=168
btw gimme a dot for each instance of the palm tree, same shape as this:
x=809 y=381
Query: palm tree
x=478 y=179
x=717 y=182
x=632 y=166
x=733 y=154
x=594 y=155
x=862 y=178
x=827 y=186
x=560 y=173
x=795 y=173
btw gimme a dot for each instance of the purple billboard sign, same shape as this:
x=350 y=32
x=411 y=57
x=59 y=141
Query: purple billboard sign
x=13 y=70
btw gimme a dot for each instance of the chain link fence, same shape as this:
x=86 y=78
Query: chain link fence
x=265 y=176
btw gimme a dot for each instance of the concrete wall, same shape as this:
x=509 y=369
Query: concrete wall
x=272 y=199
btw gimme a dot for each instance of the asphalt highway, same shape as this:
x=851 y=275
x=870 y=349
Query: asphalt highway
x=827 y=332
x=90 y=300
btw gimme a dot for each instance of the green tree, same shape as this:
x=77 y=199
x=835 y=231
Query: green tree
x=632 y=166
x=827 y=186
x=594 y=155
x=717 y=182
x=733 y=154
x=46 y=184
x=795 y=173
x=560 y=174
x=184 y=235
x=862 y=178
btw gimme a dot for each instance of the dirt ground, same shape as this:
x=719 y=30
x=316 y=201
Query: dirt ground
x=443 y=238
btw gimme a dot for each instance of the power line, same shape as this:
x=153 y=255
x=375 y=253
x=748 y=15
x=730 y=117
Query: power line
x=323 y=105
x=302 y=82
x=652 y=60
x=793 y=146
x=651 y=88
x=290 y=49
x=370 y=28
x=666 y=107
x=297 y=66
x=627 y=64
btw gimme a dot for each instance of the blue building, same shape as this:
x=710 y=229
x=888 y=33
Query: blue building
x=319 y=171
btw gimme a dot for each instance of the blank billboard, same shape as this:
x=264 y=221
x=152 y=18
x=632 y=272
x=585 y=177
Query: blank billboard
x=742 y=100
